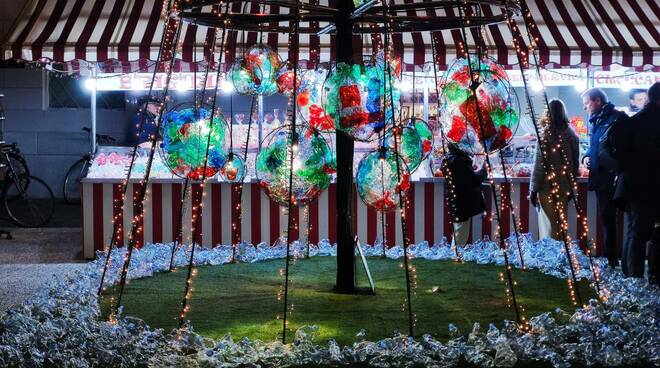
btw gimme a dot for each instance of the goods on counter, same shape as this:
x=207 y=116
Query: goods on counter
x=313 y=165
x=233 y=169
x=353 y=96
x=308 y=100
x=255 y=73
x=185 y=136
x=495 y=98
x=377 y=180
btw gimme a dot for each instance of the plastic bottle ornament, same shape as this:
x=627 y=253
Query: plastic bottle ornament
x=494 y=97
x=284 y=80
x=309 y=100
x=379 y=185
x=313 y=165
x=408 y=144
x=255 y=74
x=186 y=139
x=353 y=96
x=425 y=134
x=234 y=169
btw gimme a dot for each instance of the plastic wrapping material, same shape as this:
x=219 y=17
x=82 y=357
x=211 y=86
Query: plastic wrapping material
x=309 y=100
x=185 y=135
x=234 y=169
x=495 y=98
x=378 y=183
x=256 y=73
x=313 y=165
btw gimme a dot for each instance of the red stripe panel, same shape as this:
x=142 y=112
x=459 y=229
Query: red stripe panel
x=487 y=221
x=372 y=225
x=92 y=20
x=314 y=222
x=390 y=229
x=137 y=215
x=505 y=205
x=625 y=48
x=448 y=220
x=585 y=50
x=332 y=213
x=409 y=207
x=647 y=52
x=648 y=25
x=500 y=44
x=582 y=216
x=251 y=38
x=236 y=193
x=176 y=211
x=564 y=50
x=524 y=207
x=196 y=211
x=255 y=213
x=157 y=213
x=129 y=30
x=274 y=214
x=97 y=192
x=104 y=41
x=189 y=44
x=48 y=29
x=357 y=49
x=594 y=32
x=147 y=38
x=118 y=213
x=58 y=47
x=216 y=214
x=429 y=218
x=230 y=42
x=208 y=46
x=295 y=224
x=16 y=48
x=532 y=28
x=456 y=35
x=272 y=38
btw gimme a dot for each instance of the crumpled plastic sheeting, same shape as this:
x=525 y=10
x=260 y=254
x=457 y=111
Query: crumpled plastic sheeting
x=61 y=327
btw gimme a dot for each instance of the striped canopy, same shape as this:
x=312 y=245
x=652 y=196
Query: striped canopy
x=126 y=34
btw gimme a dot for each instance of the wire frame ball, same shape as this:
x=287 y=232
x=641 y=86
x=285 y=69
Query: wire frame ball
x=234 y=169
x=256 y=72
x=379 y=180
x=313 y=165
x=309 y=100
x=187 y=134
x=354 y=97
x=496 y=101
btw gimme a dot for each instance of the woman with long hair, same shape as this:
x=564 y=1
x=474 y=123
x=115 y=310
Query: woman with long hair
x=550 y=184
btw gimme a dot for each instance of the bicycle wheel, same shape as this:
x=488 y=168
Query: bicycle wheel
x=71 y=188
x=18 y=165
x=31 y=207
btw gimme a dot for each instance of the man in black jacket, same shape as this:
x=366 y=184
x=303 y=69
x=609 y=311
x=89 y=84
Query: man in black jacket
x=602 y=169
x=638 y=152
x=469 y=199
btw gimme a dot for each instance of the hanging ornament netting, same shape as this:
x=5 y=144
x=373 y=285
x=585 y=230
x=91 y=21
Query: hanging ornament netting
x=496 y=100
x=353 y=97
x=414 y=142
x=234 y=169
x=255 y=74
x=377 y=180
x=313 y=165
x=309 y=100
x=185 y=135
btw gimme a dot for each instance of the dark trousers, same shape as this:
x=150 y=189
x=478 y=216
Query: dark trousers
x=607 y=212
x=639 y=222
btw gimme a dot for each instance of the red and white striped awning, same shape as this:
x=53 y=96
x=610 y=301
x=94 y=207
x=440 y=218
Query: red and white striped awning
x=127 y=33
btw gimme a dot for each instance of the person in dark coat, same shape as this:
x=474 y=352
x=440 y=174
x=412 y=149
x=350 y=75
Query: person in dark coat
x=637 y=149
x=469 y=199
x=602 y=168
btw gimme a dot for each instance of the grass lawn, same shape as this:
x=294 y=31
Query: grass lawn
x=242 y=299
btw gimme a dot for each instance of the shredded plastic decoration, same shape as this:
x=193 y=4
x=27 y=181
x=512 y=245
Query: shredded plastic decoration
x=234 y=169
x=256 y=73
x=414 y=142
x=377 y=180
x=284 y=80
x=309 y=100
x=185 y=135
x=313 y=165
x=60 y=326
x=353 y=97
x=496 y=99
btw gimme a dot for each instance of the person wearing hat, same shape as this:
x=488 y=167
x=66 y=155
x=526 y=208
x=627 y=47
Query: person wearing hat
x=143 y=124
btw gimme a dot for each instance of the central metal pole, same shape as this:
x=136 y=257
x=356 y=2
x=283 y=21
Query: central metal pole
x=344 y=144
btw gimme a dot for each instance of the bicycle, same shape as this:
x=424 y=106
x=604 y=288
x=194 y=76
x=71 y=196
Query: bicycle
x=78 y=171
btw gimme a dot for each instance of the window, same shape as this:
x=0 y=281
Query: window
x=69 y=92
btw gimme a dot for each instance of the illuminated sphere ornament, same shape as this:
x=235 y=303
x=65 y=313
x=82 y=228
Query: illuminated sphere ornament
x=309 y=100
x=495 y=98
x=256 y=73
x=313 y=165
x=234 y=169
x=408 y=144
x=378 y=183
x=185 y=141
x=353 y=95
x=284 y=80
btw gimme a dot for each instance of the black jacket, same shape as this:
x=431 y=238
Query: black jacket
x=637 y=145
x=469 y=199
x=599 y=175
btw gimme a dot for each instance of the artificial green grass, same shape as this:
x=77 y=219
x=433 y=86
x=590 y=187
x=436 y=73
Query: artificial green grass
x=242 y=299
